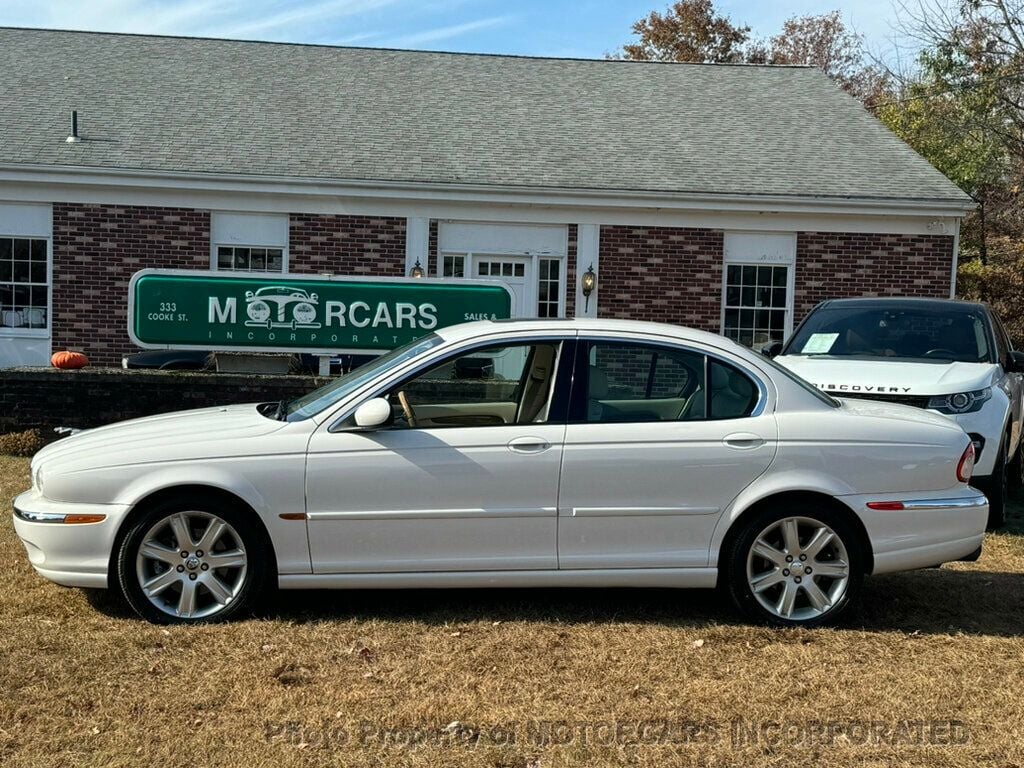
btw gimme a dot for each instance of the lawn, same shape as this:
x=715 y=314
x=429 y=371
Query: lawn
x=929 y=672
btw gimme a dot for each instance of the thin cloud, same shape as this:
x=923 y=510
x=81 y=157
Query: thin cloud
x=448 y=32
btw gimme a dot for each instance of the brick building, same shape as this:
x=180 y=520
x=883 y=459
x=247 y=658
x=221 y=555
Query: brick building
x=729 y=198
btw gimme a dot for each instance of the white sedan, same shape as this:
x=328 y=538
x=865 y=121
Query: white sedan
x=529 y=453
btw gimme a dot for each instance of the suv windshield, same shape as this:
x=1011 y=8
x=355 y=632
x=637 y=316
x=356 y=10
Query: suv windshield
x=328 y=395
x=927 y=333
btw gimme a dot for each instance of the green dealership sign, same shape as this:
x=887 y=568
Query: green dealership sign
x=246 y=311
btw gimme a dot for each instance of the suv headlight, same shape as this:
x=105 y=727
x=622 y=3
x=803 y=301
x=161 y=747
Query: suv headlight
x=960 y=402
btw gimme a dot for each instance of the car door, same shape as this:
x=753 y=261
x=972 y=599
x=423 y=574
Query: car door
x=661 y=439
x=465 y=478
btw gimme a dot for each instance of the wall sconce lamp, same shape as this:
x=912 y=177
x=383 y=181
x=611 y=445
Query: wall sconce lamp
x=417 y=270
x=588 y=282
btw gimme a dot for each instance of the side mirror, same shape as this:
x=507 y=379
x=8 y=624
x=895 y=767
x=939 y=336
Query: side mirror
x=1015 y=362
x=772 y=349
x=373 y=413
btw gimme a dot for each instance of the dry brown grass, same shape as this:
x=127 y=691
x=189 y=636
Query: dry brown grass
x=83 y=684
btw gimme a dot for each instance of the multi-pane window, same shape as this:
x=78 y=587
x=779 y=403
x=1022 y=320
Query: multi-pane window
x=24 y=283
x=500 y=269
x=755 y=303
x=245 y=259
x=549 y=288
x=453 y=265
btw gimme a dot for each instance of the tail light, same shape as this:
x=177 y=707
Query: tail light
x=965 y=468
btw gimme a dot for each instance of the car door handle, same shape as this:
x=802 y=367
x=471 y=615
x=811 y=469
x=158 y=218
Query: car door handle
x=528 y=445
x=743 y=441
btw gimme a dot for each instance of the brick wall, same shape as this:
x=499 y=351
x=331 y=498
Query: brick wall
x=666 y=274
x=96 y=249
x=833 y=265
x=570 y=270
x=347 y=245
x=45 y=398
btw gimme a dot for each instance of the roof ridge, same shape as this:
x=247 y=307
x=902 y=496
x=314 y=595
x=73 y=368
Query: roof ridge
x=425 y=51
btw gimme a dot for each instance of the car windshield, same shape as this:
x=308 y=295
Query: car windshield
x=319 y=399
x=927 y=333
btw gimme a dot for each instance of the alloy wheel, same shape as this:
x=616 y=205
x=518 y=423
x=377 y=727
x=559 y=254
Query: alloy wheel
x=798 y=568
x=191 y=565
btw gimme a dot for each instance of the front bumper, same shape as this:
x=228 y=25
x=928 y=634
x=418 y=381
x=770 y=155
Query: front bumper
x=933 y=528
x=72 y=555
x=988 y=423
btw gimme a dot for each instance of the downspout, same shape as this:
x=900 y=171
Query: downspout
x=956 y=260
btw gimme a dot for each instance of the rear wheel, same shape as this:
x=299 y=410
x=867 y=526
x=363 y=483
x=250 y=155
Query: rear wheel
x=795 y=565
x=186 y=562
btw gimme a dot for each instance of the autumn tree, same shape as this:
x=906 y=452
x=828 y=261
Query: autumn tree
x=827 y=43
x=693 y=31
x=689 y=30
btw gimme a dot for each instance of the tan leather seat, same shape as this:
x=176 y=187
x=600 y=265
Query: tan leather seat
x=537 y=390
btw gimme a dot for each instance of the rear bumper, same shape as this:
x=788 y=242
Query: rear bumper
x=932 y=528
x=71 y=555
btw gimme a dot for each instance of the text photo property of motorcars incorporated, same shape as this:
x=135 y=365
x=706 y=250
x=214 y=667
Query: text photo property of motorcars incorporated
x=949 y=357
x=579 y=453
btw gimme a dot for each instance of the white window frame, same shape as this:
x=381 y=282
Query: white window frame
x=31 y=222
x=761 y=249
x=257 y=232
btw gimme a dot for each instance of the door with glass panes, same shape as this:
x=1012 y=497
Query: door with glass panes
x=536 y=282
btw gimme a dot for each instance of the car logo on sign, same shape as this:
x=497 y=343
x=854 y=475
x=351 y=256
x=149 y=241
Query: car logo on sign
x=281 y=307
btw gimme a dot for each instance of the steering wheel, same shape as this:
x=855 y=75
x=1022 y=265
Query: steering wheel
x=406 y=408
x=940 y=353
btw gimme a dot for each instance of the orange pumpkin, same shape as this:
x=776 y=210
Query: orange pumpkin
x=69 y=360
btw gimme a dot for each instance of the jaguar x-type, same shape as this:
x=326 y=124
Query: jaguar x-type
x=583 y=453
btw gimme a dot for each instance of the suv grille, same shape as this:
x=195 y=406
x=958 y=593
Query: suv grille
x=918 y=401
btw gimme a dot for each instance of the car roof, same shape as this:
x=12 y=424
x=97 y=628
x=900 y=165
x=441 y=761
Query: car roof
x=890 y=302
x=588 y=325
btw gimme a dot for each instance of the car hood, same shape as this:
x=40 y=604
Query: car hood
x=852 y=377
x=206 y=432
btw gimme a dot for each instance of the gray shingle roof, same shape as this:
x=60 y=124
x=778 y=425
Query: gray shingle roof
x=183 y=104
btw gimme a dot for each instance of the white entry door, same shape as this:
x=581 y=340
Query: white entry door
x=514 y=271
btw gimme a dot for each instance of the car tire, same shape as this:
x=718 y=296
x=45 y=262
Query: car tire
x=1017 y=469
x=166 y=582
x=758 y=586
x=996 y=488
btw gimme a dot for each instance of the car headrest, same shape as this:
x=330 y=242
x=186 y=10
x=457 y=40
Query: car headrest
x=727 y=381
x=598 y=388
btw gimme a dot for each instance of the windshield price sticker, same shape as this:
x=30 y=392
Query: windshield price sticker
x=819 y=343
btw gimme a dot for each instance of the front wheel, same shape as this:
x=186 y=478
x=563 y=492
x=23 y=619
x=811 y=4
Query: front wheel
x=186 y=562
x=795 y=565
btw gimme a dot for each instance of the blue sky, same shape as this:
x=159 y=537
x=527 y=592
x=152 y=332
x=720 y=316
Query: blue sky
x=586 y=28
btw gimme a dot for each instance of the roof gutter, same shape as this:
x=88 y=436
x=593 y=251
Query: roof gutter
x=76 y=176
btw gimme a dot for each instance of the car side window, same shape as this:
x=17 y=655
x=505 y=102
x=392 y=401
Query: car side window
x=493 y=386
x=1003 y=345
x=640 y=383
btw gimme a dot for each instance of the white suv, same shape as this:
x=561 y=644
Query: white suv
x=951 y=357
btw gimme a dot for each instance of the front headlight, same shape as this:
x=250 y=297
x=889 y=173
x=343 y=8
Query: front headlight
x=960 y=402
